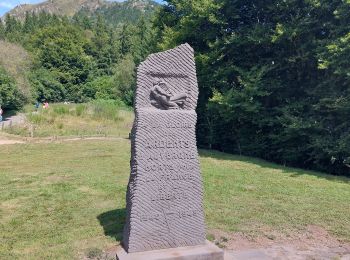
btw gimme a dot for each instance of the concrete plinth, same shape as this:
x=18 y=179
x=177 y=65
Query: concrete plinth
x=209 y=251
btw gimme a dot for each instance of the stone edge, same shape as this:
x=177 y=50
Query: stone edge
x=209 y=251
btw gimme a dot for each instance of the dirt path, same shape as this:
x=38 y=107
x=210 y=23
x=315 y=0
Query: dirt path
x=7 y=142
x=6 y=139
x=312 y=243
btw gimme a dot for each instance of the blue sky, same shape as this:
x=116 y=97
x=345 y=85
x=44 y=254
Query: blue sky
x=6 y=5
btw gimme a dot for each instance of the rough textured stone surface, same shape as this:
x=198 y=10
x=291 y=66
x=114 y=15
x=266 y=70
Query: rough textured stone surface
x=164 y=197
x=208 y=251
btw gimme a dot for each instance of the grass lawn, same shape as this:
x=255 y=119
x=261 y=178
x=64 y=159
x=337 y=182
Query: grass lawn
x=64 y=201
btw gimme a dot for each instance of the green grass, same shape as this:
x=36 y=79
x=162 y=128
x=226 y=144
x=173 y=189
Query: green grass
x=99 y=118
x=65 y=201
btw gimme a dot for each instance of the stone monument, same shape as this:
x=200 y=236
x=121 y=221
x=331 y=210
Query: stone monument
x=165 y=218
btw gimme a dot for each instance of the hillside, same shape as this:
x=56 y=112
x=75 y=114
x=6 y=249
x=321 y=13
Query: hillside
x=16 y=61
x=128 y=11
x=71 y=7
x=59 y=7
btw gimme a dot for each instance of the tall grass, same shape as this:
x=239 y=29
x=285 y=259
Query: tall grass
x=61 y=110
x=97 y=109
x=106 y=109
x=97 y=118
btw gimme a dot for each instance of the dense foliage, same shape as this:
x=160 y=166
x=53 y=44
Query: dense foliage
x=273 y=76
x=85 y=57
x=10 y=96
x=118 y=13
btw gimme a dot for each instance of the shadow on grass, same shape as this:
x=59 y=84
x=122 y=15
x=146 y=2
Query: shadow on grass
x=8 y=114
x=293 y=172
x=113 y=223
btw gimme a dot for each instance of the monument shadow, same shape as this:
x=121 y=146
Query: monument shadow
x=113 y=223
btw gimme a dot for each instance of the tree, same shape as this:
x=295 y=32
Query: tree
x=2 y=30
x=124 y=78
x=10 y=97
x=29 y=23
x=13 y=28
x=272 y=76
x=103 y=48
x=143 y=43
x=61 y=50
x=125 y=39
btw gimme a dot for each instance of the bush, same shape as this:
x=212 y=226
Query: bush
x=125 y=80
x=80 y=109
x=10 y=97
x=36 y=119
x=61 y=110
x=46 y=86
x=100 y=88
x=106 y=109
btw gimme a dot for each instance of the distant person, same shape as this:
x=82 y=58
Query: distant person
x=1 y=112
x=46 y=105
x=37 y=105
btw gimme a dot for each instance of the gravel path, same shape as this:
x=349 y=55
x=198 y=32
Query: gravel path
x=13 y=121
x=313 y=243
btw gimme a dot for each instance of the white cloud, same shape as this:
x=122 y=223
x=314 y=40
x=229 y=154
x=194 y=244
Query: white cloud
x=6 y=4
x=12 y=3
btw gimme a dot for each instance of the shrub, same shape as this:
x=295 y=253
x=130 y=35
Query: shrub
x=36 y=119
x=106 y=109
x=10 y=97
x=46 y=86
x=80 y=109
x=100 y=88
x=61 y=110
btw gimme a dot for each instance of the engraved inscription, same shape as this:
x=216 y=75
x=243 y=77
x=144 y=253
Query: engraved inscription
x=167 y=125
x=172 y=194
x=164 y=143
x=170 y=155
x=170 y=215
x=160 y=167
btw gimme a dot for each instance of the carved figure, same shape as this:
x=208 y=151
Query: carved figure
x=163 y=98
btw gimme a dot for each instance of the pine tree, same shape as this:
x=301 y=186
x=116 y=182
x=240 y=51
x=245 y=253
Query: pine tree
x=28 y=25
x=101 y=47
x=273 y=76
x=13 y=29
x=125 y=40
x=2 y=30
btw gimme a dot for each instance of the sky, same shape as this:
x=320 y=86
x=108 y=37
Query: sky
x=6 y=5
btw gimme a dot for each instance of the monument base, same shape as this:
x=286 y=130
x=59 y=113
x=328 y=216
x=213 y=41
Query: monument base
x=209 y=251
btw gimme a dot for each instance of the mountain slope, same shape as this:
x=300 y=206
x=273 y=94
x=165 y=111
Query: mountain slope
x=129 y=11
x=16 y=61
x=59 y=7
x=71 y=7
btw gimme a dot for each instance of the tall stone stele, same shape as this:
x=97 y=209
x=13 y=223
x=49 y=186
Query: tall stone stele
x=165 y=218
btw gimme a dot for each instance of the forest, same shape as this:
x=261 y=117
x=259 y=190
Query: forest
x=273 y=75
